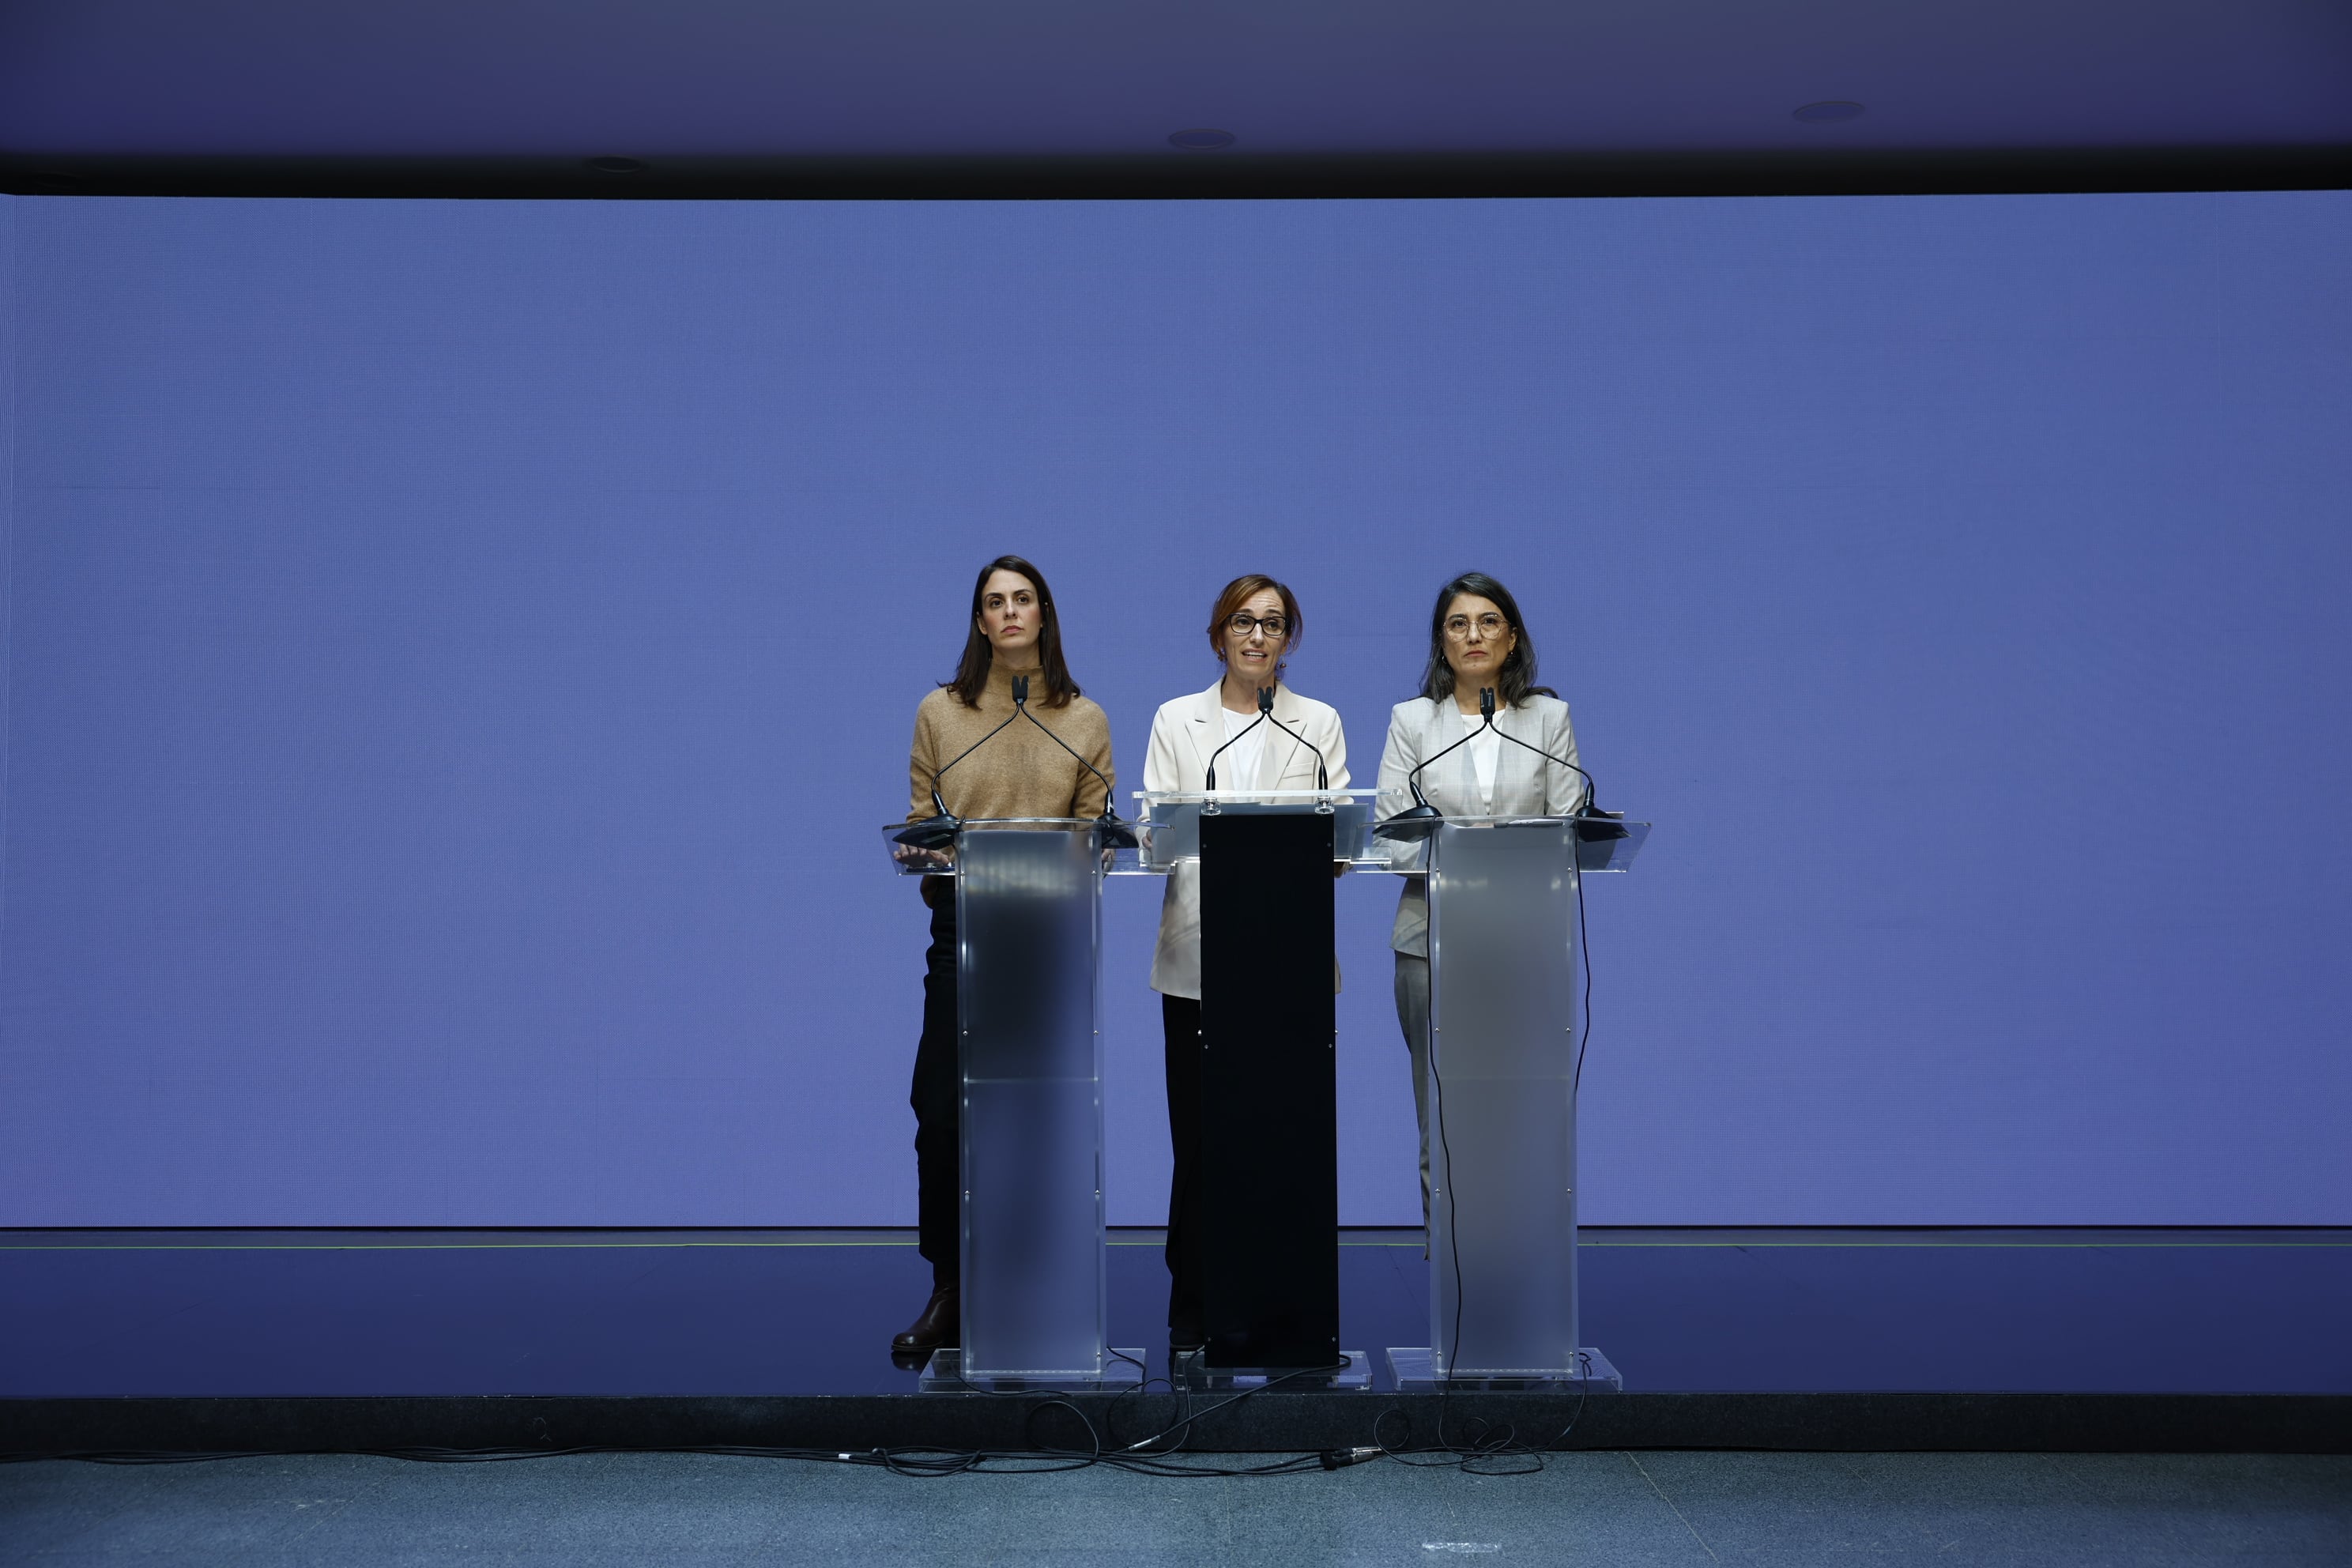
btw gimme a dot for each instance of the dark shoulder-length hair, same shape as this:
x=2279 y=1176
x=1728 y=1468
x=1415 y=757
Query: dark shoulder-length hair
x=1515 y=681
x=972 y=670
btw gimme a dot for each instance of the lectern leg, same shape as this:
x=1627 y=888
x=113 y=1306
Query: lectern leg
x=1269 y=1142
x=1032 y=1302
x=1502 y=1099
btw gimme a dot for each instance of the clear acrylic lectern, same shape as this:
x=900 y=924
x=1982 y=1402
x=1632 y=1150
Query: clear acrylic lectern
x=1028 y=925
x=1269 y=1130
x=1503 y=993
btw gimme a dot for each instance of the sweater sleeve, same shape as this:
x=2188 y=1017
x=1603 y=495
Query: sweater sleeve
x=922 y=761
x=1092 y=797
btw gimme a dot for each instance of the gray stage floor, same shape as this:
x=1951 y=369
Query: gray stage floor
x=1882 y=1511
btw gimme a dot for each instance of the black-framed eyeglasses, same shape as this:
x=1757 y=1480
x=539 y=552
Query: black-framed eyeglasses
x=1490 y=626
x=1241 y=623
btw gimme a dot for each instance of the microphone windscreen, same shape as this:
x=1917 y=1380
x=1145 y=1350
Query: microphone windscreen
x=1486 y=702
x=1019 y=689
x=1265 y=699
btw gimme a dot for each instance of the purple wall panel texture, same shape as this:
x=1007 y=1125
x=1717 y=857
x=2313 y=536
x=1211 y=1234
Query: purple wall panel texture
x=459 y=655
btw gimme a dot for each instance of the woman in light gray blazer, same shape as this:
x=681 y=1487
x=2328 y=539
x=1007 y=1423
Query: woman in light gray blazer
x=1476 y=640
x=1253 y=627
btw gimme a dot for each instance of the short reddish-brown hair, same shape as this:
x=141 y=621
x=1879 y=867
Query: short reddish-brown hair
x=1236 y=594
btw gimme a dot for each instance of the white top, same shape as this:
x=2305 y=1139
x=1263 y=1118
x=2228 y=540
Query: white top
x=1485 y=749
x=1184 y=733
x=1237 y=767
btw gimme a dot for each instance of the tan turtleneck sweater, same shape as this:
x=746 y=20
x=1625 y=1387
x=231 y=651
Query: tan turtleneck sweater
x=1021 y=772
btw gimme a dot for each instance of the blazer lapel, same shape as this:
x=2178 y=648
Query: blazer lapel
x=1514 y=767
x=1281 y=751
x=1441 y=727
x=1207 y=731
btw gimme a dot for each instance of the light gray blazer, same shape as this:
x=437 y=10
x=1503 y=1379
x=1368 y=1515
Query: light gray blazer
x=1184 y=733
x=1525 y=784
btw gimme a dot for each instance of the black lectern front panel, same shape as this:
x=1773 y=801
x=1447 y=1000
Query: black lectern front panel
x=1270 y=1186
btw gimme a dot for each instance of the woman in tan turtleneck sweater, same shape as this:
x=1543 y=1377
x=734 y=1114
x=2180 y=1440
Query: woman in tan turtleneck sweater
x=1021 y=772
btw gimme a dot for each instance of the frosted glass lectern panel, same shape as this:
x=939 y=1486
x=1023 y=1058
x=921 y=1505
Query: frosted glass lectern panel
x=1028 y=909
x=1503 y=987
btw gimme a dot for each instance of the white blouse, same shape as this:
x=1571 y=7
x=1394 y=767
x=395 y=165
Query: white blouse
x=1237 y=767
x=1485 y=749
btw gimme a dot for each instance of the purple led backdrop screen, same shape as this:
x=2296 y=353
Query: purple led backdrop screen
x=458 y=656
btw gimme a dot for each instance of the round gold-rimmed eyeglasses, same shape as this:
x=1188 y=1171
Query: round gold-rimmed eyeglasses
x=1490 y=626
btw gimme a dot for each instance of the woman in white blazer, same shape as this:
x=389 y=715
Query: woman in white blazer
x=1476 y=640
x=1253 y=629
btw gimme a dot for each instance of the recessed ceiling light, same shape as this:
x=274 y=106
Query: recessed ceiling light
x=1827 y=113
x=1202 y=140
x=617 y=165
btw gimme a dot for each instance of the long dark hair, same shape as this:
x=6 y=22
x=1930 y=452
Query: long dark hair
x=1517 y=681
x=972 y=670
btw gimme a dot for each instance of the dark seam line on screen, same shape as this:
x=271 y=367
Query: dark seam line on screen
x=2122 y=1241
x=1391 y=1246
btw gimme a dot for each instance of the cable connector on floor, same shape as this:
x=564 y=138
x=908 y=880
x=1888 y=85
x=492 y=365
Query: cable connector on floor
x=1340 y=1458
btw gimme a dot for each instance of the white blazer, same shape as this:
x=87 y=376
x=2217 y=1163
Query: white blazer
x=1184 y=732
x=1525 y=784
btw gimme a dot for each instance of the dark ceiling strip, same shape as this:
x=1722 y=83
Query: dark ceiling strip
x=1197 y=176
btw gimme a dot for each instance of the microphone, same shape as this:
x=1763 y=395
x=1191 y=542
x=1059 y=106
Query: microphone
x=1266 y=712
x=1421 y=820
x=1592 y=822
x=1116 y=835
x=939 y=830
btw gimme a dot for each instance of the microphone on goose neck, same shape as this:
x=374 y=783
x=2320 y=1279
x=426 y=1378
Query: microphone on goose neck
x=1116 y=835
x=1592 y=822
x=1421 y=820
x=1585 y=808
x=1266 y=712
x=938 y=830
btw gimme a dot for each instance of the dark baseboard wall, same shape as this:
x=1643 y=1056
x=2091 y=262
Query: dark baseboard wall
x=1196 y=175
x=1272 y=1422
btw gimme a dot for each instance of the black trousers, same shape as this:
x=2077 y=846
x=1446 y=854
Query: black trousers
x=938 y=1099
x=1180 y=1020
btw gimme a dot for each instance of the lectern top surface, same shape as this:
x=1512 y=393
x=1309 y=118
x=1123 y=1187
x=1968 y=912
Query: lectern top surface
x=1255 y=796
x=927 y=848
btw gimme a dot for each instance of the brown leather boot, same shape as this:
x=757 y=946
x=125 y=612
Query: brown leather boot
x=939 y=1324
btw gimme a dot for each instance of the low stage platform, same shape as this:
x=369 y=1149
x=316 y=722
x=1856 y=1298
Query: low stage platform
x=2145 y=1341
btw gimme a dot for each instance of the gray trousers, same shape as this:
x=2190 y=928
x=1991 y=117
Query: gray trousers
x=1413 y=1017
